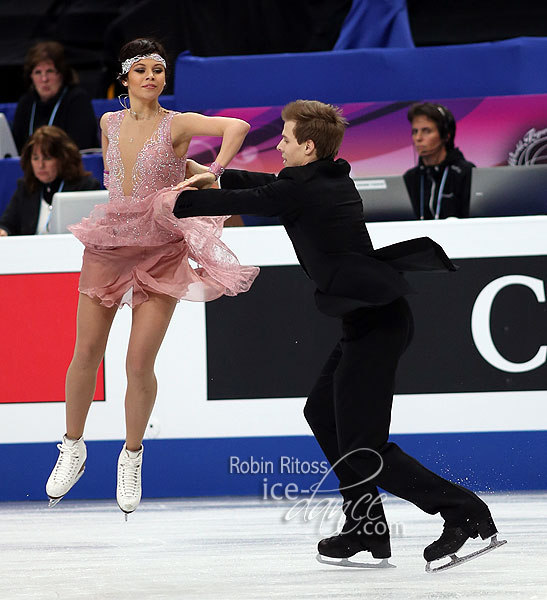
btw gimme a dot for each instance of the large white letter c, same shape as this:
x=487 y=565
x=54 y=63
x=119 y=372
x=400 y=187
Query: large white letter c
x=480 y=323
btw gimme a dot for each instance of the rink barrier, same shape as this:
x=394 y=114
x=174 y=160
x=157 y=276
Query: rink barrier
x=470 y=394
x=485 y=462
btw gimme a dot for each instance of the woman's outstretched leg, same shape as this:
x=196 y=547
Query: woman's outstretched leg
x=150 y=322
x=93 y=326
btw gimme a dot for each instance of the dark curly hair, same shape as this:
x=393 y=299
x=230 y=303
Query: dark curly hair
x=55 y=143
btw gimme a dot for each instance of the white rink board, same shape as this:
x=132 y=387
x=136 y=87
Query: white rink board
x=182 y=410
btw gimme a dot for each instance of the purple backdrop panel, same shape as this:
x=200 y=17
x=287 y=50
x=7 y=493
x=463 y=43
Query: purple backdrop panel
x=490 y=132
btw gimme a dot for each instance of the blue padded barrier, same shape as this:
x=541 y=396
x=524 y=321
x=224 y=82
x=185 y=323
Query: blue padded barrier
x=510 y=67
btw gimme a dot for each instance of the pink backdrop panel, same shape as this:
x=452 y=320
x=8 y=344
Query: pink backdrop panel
x=377 y=141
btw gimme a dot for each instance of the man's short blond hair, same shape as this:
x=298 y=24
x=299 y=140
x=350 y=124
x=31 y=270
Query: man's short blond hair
x=322 y=123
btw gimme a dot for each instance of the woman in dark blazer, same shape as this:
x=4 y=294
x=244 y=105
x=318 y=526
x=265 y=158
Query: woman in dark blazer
x=51 y=163
x=54 y=98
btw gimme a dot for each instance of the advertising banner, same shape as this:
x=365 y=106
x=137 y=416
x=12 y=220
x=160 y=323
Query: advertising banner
x=233 y=375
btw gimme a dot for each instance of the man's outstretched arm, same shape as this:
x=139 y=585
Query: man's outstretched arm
x=236 y=179
x=270 y=200
x=232 y=179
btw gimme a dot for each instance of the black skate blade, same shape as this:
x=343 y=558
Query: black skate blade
x=344 y=562
x=456 y=561
x=125 y=513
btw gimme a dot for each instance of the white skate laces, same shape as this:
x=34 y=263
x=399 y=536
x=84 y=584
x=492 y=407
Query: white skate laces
x=68 y=469
x=129 y=490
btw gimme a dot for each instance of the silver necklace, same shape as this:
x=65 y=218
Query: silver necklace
x=137 y=117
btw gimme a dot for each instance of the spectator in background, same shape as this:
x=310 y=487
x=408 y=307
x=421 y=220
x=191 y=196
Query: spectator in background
x=54 y=98
x=439 y=186
x=51 y=163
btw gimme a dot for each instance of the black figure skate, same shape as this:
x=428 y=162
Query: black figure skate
x=349 y=542
x=454 y=537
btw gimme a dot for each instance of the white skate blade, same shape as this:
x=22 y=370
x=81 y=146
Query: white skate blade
x=345 y=562
x=54 y=501
x=455 y=561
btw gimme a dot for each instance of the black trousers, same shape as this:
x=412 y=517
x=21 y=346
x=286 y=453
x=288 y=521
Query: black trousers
x=349 y=412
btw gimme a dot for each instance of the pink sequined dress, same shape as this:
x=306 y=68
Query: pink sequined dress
x=135 y=245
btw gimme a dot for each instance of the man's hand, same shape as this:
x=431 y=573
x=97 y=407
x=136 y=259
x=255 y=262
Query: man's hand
x=201 y=181
x=186 y=189
x=195 y=168
x=3 y=233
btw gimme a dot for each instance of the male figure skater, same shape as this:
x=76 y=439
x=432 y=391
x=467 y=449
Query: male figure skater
x=349 y=407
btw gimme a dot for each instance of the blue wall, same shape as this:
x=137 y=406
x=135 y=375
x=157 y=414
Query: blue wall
x=510 y=67
x=488 y=461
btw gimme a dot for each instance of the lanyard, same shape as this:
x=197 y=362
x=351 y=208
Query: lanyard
x=51 y=118
x=439 y=196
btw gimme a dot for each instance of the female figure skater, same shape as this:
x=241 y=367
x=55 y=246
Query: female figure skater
x=136 y=253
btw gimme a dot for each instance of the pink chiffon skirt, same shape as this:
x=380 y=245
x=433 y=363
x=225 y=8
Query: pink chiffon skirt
x=134 y=247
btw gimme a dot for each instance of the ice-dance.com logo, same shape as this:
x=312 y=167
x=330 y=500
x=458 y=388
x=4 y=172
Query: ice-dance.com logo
x=363 y=510
x=361 y=513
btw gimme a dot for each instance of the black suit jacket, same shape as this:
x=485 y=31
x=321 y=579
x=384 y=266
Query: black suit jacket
x=21 y=214
x=322 y=213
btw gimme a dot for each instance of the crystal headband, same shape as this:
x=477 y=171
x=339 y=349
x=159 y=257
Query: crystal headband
x=127 y=64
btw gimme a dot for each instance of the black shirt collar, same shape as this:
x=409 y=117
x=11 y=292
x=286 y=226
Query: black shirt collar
x=48 y=189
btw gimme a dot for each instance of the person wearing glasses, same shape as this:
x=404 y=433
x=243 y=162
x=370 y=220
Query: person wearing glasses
x=54 y=98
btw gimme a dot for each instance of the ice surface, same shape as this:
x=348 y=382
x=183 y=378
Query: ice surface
x=243 y=548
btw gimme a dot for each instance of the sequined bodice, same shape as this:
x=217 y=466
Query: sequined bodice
x=156 y=166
